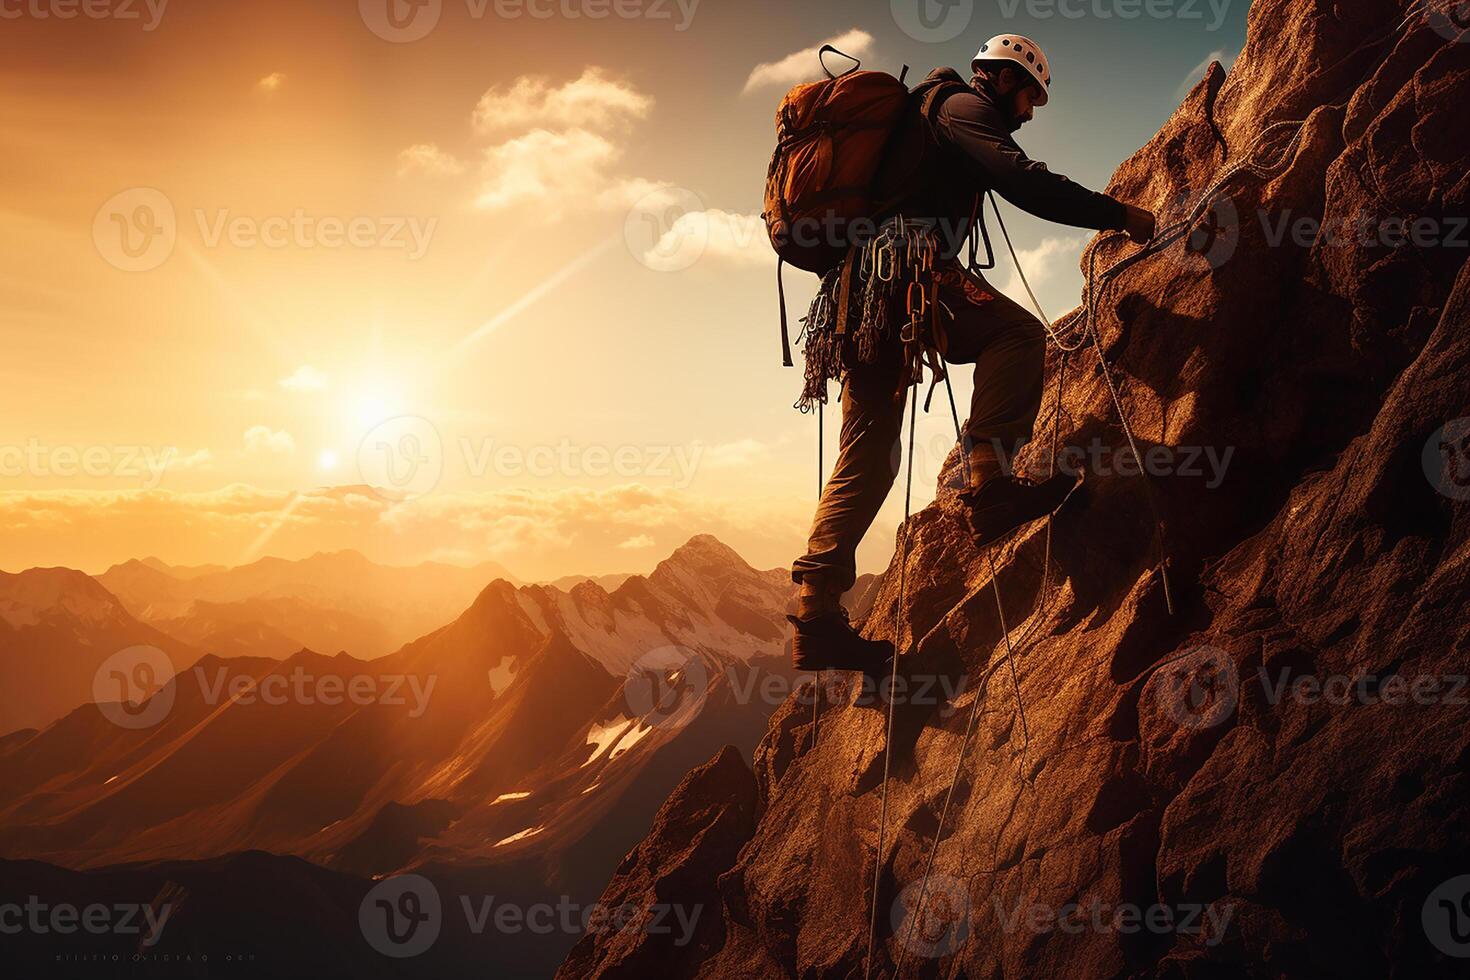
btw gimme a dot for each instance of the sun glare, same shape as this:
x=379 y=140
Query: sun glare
x=371 y=401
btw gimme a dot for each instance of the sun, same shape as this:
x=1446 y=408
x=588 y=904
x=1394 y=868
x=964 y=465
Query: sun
x=372 y=401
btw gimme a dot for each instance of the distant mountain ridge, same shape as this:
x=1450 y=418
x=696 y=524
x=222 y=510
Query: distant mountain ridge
x=57 y=627
x=330 y=601
x=490 y=670
x=531 y=738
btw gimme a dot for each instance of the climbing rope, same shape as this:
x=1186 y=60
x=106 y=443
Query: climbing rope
x=817 y=684
x=893 y=680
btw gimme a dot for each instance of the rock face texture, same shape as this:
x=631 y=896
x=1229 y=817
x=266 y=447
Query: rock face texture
x=1271 y=780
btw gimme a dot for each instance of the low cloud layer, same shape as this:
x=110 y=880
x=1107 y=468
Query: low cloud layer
x=536 y=534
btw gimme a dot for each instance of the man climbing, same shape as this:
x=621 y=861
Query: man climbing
x=904 y=295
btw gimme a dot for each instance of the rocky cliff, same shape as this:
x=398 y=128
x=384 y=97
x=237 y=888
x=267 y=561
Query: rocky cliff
x=1269 y=780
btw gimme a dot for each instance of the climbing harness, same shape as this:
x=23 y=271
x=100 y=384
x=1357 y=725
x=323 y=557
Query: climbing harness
x=852 y=319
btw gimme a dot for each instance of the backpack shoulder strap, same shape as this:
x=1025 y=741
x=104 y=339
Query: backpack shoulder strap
x=932 y=95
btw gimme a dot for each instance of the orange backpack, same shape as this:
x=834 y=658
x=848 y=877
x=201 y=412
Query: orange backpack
x=831 y=138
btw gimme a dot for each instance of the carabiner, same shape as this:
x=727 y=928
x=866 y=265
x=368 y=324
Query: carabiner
x=880 y=267
x=918 y=309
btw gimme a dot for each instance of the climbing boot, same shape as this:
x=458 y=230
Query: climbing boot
x=828 y=642
x=1002 y=504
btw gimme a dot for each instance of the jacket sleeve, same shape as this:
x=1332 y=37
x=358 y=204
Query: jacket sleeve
x=977 y=130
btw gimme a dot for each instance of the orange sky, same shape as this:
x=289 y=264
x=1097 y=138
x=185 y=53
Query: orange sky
x=510 y=274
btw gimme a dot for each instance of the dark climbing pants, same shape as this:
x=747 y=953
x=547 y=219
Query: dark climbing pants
x=1006 y=344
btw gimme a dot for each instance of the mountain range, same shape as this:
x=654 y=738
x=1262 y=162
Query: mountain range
x=330 y=601
x=526 y=744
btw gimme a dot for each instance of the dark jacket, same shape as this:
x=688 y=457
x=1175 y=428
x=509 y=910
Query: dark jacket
x=969 y=150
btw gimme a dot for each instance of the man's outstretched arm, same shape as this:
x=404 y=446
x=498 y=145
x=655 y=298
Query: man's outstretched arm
x=981 y=135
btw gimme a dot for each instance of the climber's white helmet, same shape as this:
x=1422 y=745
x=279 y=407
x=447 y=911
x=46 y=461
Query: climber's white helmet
x=1024 y=52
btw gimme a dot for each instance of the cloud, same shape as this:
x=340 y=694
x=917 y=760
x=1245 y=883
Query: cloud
x=740 y=239
x=803 y=65
x=541 y=533
x=271 y=82
x=1052 y=269
x=592 y=101
x=625 y=192
x=197 y=460
x=1226 y=59
x=743 y=452
x=427 y=158
x=558 y=171
x=636 y=543
x=262 y=439
x=305 y=378
x=556 y=147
